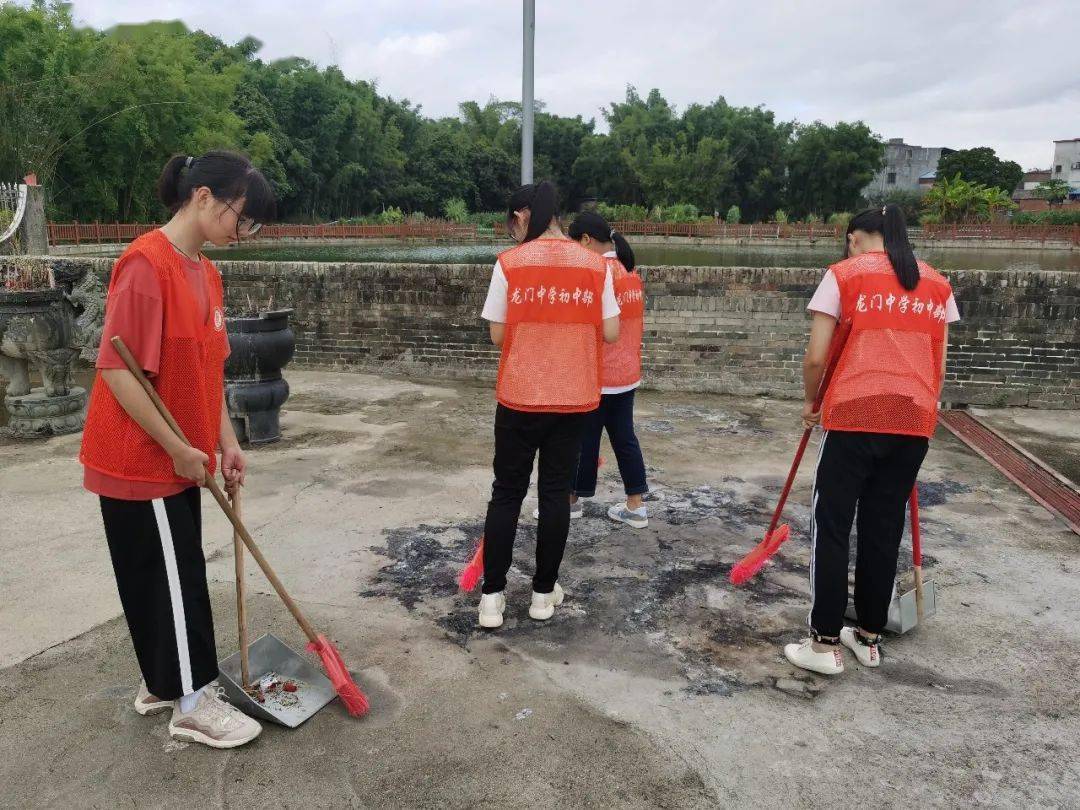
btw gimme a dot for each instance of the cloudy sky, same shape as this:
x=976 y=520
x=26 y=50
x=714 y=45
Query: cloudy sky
x=957 y=73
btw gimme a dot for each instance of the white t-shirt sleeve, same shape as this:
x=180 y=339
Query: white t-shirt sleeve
x=611 y=304
x=826 y=297
x=495 y=305
x=952 y=314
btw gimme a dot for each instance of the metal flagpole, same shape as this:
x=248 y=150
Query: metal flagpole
x=528 y=36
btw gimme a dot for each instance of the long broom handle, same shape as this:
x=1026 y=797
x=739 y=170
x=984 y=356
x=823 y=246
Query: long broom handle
x=916 y=551
x=215 y=490
x=839 y=341
x=241 y=608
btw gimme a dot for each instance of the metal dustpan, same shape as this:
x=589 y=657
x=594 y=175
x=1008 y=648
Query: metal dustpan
x=269 y=655
x=903 y=609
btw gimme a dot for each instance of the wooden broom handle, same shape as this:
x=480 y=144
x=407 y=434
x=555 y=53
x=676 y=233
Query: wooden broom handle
x=241 y=608
x=215 y=490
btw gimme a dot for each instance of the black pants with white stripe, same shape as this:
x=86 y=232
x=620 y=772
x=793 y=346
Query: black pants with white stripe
x=156 y=549
x=871 y=474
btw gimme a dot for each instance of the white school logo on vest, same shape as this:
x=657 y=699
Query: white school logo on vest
x=219 y=319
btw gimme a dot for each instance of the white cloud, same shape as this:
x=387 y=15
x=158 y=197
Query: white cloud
x=959 y=73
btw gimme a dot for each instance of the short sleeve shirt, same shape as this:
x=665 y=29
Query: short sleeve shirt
x=135 y=311
x=495 y=305
x=826 y=300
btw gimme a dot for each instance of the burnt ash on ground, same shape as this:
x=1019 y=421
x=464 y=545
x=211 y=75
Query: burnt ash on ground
x=656 y=599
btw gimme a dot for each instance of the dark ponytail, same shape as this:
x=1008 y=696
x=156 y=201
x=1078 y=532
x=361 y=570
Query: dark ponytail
x=889 y=222
x=591 y=223
x=229 y=176
x=539 y=198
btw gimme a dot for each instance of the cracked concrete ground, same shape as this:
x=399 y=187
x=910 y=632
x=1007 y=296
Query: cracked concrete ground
x=656 y=685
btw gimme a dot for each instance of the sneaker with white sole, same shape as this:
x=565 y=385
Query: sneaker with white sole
x=492 y=606
x=824 y=663
x=213 y=722
x=544 y=604
x=147 y=704
x=577 y=509
x=869 y=655
x=636 y=518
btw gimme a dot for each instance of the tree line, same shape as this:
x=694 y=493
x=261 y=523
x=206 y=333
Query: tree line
x=97 y=113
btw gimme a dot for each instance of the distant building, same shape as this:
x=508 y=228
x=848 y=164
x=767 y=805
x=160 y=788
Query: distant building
x=907 y=167
x=1066 y=164
x=1030 y=182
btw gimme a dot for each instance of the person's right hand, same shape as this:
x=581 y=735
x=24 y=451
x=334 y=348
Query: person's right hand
x=190 y=463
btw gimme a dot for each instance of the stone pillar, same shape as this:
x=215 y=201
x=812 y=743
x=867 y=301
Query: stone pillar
x=33 y=234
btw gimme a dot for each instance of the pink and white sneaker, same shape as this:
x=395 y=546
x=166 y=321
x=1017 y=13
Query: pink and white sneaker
x=803 y=656
x=869 y=655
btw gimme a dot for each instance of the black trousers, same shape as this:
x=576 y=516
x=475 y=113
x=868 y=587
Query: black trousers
x=616 y=415
x=872 y=474
x=157 y=556
x=519 y=435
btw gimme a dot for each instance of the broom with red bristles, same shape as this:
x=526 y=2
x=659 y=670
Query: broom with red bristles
x=344 y=685
x=776 y=535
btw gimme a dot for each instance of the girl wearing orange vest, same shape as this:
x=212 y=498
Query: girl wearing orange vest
x=879 y=413
x=620 y=378
x=551 y=306
x=166 y=301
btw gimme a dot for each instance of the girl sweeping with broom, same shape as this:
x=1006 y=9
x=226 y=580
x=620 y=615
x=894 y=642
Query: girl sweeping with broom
x=551 y=305
x=879 y=412
x=166 y=302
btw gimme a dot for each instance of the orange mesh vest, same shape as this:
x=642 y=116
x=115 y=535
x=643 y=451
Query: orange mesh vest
x=190 y=378
x=888 y=377
x=622 y=360
x=552 y=351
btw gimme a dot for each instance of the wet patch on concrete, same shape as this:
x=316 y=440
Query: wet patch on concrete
x=719 y=422
x=655 y=601
x=923 y=678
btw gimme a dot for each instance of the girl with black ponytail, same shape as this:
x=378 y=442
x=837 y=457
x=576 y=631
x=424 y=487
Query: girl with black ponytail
x=551 y=306
x=167 y=304
x=879 y=412
x=621 y=377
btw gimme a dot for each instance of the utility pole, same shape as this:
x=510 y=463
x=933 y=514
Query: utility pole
x=528 y=37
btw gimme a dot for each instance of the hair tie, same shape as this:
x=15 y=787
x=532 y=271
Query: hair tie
x=612 y=235
x=188 y=162
x=883 y=209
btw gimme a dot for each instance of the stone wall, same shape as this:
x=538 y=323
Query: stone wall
x=722 y=329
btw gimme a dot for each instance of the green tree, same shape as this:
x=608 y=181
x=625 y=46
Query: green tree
x=828 y=166
x=1053 y=191
x=734 y=215
x=981 y=165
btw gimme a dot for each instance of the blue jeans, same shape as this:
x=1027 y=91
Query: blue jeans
x=616 y=414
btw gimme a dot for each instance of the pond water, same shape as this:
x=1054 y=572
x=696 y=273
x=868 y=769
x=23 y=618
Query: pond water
x=698 y=255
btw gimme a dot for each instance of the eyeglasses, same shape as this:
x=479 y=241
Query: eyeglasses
x=244 y=225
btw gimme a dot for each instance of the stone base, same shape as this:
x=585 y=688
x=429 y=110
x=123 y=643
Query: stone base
x=36 y=415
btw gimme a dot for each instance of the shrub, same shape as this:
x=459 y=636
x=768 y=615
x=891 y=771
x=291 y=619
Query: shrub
x=680 y=212
x=455 y=210
x=391 y=216
x=780 y=217
x=840 y=219
x=734 y=215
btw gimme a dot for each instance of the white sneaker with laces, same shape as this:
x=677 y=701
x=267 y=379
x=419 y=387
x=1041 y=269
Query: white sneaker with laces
x=213 y=722
x=824 y=663
x=635 y=518
x=544 y=604
x=147 y=704
x=492 y=606
x=577 y=509
x=869 y=655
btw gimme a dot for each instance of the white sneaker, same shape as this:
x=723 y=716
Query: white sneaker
x=492 y=606
x=869 y=655
x=825 y=663
x=637 y=518
x=577 y=509
x=544 y=604
x=147 y=704
x=213 y=722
